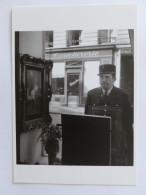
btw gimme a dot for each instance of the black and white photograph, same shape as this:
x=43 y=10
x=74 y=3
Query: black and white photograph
x=86 y=81
x=74 y=102
x=88 y=73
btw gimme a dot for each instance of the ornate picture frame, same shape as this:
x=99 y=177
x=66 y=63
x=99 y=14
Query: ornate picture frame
x=33 y=91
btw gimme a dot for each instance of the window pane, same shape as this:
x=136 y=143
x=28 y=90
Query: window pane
x=103 y=36
x=74 y=37
x=91 y=79
x=49 y=39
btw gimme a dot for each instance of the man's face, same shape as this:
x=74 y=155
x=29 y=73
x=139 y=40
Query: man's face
x=107 y=81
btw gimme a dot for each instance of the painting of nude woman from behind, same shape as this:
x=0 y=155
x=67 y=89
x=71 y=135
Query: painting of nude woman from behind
x=34 y=95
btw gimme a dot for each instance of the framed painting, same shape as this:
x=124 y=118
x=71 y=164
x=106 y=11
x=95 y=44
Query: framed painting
x=33 y=91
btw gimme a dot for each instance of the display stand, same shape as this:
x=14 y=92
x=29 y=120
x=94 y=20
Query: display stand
x=86 y=140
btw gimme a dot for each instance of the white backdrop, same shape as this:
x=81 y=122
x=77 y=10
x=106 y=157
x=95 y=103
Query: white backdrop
x=6 y=169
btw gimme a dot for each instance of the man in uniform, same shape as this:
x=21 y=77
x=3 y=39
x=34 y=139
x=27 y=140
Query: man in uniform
x=112 y=101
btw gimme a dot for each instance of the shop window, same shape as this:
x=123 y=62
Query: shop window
x=49 y=39
x=58 y=86
x=74 y=37
x=58 y=79
x=91 y=80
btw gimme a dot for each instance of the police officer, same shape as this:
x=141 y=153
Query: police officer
x=109 y=97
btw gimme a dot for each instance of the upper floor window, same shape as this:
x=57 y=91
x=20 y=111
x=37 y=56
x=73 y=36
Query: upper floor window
x=74 y=37
x=106 y=36
x=49 y=39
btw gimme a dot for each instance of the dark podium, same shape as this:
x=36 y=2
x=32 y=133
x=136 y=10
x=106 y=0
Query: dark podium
x=86 y=140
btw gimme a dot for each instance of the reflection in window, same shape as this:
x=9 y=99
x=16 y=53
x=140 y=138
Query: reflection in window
x=49 y=39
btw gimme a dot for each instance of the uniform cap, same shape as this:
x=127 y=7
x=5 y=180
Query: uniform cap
x=107 y=68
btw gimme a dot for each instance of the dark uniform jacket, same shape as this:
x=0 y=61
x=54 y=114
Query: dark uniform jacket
x=122 y=119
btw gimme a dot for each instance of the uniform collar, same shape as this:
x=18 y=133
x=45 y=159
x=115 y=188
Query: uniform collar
x=108 y=92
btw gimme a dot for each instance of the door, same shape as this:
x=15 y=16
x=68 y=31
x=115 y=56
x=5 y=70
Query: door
x=73 y=88
x=127 y=76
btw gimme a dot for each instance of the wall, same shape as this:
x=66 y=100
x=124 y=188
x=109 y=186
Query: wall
x=31 y=43
x=59 y=39
x=30 y=150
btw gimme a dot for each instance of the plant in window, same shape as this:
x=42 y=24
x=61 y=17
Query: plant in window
x=50 y=136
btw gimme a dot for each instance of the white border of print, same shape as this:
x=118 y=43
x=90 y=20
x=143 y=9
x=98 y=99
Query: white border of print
x=68 y=18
